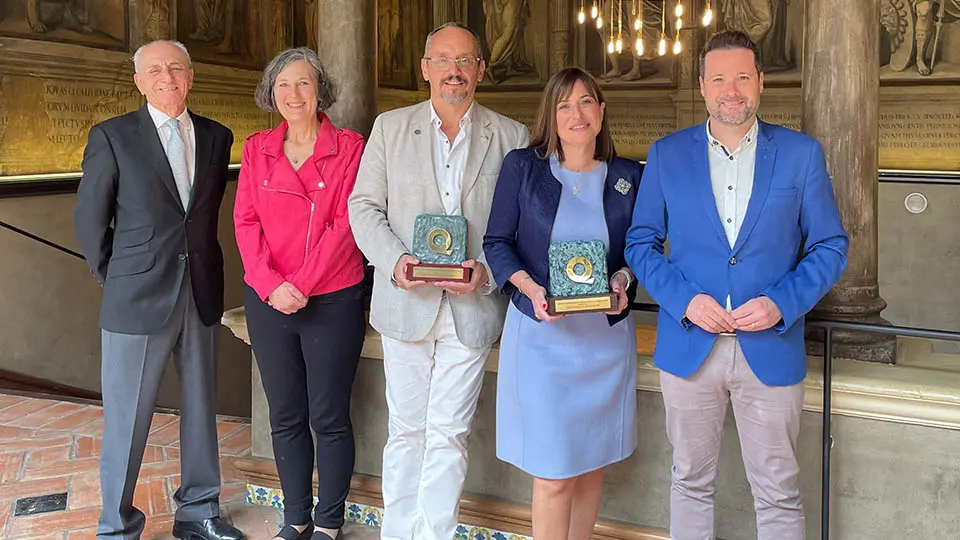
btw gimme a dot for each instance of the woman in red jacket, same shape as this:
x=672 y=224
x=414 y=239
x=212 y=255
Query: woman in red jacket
x=304 y=298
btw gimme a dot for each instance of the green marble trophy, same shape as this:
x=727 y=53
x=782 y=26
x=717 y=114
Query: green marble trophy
x=440 y=243
x=578 y=278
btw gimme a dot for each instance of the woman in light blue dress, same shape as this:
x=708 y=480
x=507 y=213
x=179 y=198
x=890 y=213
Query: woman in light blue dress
x=566 y=388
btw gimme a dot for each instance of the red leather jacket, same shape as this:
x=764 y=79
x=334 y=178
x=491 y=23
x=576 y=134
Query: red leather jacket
x=293 y=225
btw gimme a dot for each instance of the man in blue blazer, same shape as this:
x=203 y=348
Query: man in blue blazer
x=755 y=242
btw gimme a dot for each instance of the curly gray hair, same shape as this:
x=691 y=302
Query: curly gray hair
x=326 y=87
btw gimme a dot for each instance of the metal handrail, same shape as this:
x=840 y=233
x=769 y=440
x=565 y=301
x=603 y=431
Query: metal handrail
x=828 y=326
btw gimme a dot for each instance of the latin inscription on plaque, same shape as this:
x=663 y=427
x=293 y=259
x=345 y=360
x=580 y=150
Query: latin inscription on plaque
x=920 y=138
x=52 y=120
x=237 y=112
x=634 y=127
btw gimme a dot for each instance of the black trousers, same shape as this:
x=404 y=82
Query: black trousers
x=308 y=362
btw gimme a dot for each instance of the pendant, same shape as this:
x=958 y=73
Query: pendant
x=576 y=191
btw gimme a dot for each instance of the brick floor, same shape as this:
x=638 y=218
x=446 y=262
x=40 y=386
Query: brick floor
x=53 y=447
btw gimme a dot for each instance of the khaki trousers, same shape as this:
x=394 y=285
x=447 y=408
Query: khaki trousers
x=768 y=423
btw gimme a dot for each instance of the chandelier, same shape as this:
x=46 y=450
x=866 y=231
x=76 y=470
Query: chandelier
x=614 y=37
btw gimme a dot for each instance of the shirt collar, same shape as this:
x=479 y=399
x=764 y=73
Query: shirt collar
x=160 y=118
x=327 y=144
x=464 y=121
x=746 y=142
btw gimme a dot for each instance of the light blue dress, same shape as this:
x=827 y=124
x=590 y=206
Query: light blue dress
x=566 y=390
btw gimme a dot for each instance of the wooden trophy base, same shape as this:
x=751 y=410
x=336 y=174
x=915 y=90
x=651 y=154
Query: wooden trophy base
x=438 y=272
x=586 y=303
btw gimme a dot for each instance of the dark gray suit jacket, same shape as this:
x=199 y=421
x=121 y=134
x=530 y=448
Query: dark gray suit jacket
x=133 y=230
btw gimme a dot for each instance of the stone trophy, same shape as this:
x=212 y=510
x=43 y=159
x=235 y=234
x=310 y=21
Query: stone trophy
x=440 y=243
x=578 y=278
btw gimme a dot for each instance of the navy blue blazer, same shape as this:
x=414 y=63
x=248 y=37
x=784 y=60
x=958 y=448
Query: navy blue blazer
x=524 y=208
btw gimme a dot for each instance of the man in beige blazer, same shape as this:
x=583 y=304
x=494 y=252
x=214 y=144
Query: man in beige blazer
x=441 y=156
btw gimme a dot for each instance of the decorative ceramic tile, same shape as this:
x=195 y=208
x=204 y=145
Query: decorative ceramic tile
x=372 y=516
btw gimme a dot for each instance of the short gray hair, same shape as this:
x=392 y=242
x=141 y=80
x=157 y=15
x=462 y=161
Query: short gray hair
x=461 y=26
x=327 y=88
x=177 y=44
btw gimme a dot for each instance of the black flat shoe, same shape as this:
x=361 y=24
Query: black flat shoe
x=288 y=532
x=206 y=529
x=320 y=535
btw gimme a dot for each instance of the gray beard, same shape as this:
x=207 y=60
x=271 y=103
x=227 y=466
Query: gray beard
x=717 y=112
x=454 y=99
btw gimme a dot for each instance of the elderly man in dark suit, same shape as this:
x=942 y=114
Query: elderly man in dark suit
x=146 y=221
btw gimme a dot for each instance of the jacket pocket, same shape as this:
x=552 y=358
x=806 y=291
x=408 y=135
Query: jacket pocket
x=133 y=237
x=129 y=265
x=783 y=193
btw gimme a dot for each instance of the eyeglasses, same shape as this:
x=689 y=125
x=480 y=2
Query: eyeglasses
x=445 y=64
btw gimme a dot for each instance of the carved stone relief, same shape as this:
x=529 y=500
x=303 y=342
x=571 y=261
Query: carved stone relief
x=93 y=23
x=220 y=31
x=514 y=37
x=920 y=38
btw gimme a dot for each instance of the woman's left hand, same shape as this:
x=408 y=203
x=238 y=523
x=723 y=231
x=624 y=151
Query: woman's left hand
x=618 y=284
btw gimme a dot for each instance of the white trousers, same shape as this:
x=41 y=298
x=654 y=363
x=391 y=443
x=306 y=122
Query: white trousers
x=432 y=391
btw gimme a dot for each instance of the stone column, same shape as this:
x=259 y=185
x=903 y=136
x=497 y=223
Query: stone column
x=561 y=26
x=841 y=108
x=346 y=33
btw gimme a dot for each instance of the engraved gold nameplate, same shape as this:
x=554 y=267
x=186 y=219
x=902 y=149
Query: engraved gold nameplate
x=437 y=272
x=560 y=305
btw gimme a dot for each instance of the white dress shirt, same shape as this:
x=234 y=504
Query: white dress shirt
x=731 y=176
x=450 y=160
x=186 y=132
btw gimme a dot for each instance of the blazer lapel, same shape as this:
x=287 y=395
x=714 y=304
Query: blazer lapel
x=480 y=138
x=762 y=177
x=550 y=190
x=700 y=176
x=202 y=156
x=150 y=144
x=422 y=139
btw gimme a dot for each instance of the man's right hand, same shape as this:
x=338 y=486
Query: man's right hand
x=706 y=313
x=287 y=299
x=400 y=273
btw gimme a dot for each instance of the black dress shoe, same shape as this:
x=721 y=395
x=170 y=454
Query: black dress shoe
x=207 y=529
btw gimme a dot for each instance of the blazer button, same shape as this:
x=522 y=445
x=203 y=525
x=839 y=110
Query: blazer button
x=182 y=256
x=321 y=185
x=733 y=261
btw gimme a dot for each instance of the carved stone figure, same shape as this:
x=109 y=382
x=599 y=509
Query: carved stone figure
x=913 y=27
x=506 y=21
x=391 y=47
x=651 y=21
x=213 y=21
x=156 y=20
x=46 y=15
x=774 y=25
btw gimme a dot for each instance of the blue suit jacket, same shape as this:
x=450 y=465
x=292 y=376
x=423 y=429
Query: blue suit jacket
x=521 y=220
x=791 y=248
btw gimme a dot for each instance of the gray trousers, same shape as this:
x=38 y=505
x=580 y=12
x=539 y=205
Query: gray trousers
x=768 y=422
x=132 y=368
